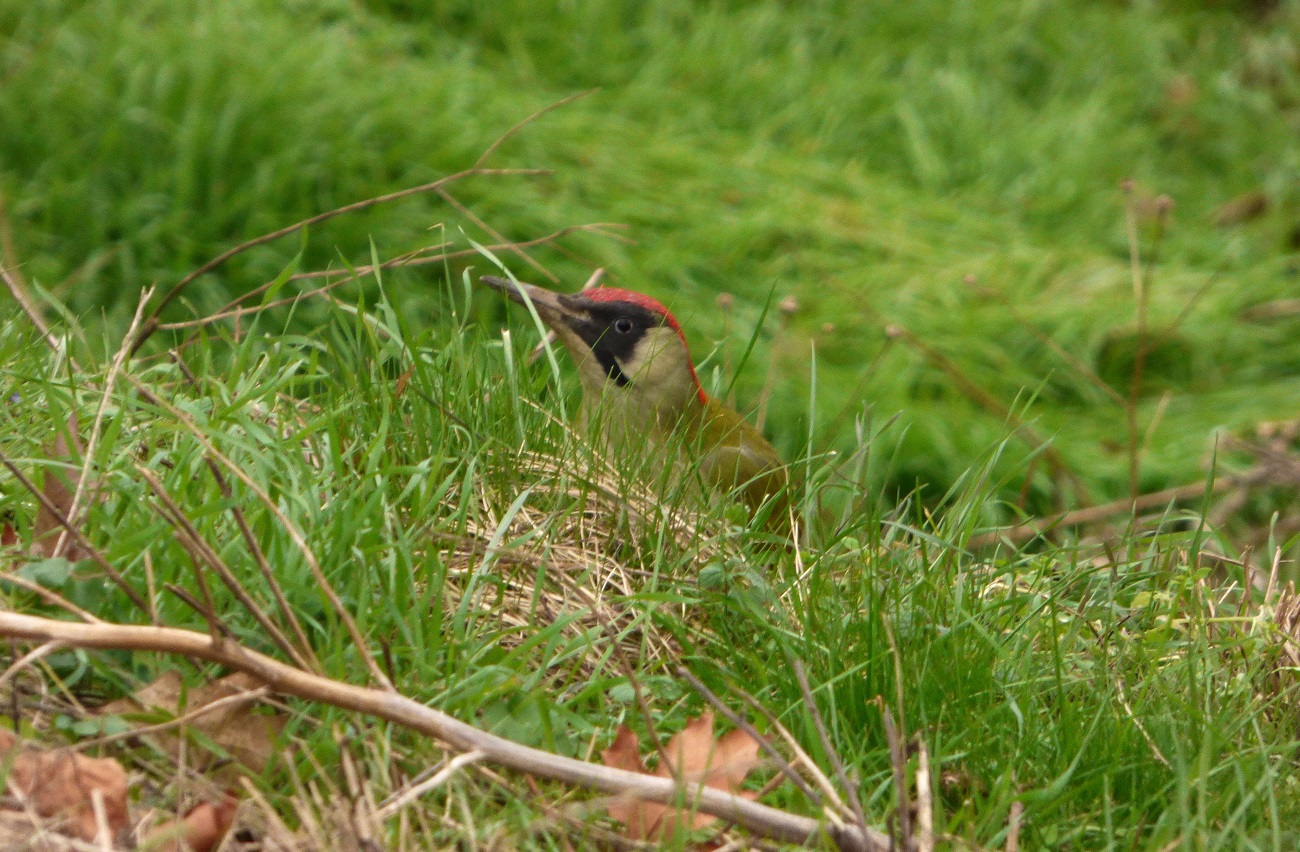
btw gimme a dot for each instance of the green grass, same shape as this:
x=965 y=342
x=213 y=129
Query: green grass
x=950 y=168
x=1099 y=687
x=865 y=159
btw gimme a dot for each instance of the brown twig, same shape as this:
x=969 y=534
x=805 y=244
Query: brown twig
x=897 y=736
x=57 y=514
x=217 y=629
x=835 y=810
x=400 y=800
x=50 y=596
x=304 y=647
x=1092 y=514
x=496 y=235
x=501 y=140
x=237 y=700
x=295 y=534
x=204 y=554
x=17 y=284
x=27 y=659
x=1013 y=826
x=304 y=650
x=787 y=769
x=850 y=789
x=898 y=762
x=97 y=427
x=151 y=325
x=235 y=309
x=394 y=707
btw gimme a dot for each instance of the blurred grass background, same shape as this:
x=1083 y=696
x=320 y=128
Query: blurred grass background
x=951 y=168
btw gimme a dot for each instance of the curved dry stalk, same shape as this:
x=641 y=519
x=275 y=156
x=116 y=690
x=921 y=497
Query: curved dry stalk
x=203 y=552
x=235 y=700
x=30 y=657
x=786 y=767
x=95 y=554
x=850 y=789
x=13 y=279
x=415 y=791
x=235 y=309
x=97 y=427
x=1092 y=514
x=394 y=707
x=295 y=534
x=151 y=325
x=48 y=595
x=522 y=123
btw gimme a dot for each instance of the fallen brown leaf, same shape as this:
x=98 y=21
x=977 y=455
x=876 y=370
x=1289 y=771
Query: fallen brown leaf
x=59 y=785
x=691 y=756
x=200 y=830
x=247 y=736
x=640 y=817
x=59 y=488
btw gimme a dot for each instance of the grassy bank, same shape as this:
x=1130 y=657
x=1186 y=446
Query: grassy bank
x=988 y=216
x=953 y=170
x=1124 y=696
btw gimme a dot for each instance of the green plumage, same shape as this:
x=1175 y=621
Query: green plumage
x=639 y=389
x=736 y=455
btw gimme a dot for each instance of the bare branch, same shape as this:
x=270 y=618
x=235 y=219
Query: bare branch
x=787 y=769
x=203 y=553
x=280 y=677
x=850 y=789
x=496 y=235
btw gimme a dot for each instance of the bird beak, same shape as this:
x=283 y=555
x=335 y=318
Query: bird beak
x=548 y=303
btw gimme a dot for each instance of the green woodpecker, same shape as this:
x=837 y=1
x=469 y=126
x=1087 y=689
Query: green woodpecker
x=639 y=384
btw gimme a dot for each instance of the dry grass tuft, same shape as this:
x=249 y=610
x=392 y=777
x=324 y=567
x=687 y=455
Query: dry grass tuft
x=574 y=564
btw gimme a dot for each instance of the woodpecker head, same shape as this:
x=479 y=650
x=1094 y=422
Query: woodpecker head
x=629 y=349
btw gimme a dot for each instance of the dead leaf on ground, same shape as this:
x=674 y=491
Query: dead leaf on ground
x=200 y=830
x=247 y=736
x=59 y=785
x=692 y=756
x=59 y=487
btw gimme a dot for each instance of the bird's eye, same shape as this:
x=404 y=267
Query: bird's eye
x=623 y=325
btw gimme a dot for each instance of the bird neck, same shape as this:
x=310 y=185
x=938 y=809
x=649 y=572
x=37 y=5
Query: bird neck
x=633 y=410
x=661 y=395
